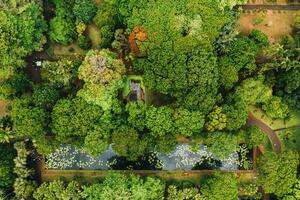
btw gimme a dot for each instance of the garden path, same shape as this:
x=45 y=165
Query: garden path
x=276 y=144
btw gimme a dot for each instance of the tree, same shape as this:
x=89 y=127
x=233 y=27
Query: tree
x=296 y=23
x=58 y=190
x=46 y=95
x=6 y=166
x=62 y=30
x=183 y=194
x=275 y=108
x=28 y=120
x=106 y=20
x=96 y=141
x=166 y=143
x=241 y=54
x=221 y=144
x=126 y=142
x=159 y=120
x=213 y=187
x=136 y=114
x=278 y=173
x=74 y=117
x=256 y=136
x=23 y=185
x=260 y=38
x=188 y=122
x=63 y=71
x=216 y=120
x=294 y=193
x=118 y=186
x=254 y=91
x=101 y=68
x=103 y=75
x=228 y=76
x=236 y=111
x=84 y=11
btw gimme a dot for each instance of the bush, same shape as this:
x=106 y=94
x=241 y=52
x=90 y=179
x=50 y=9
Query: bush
x=84 y=42
x=259 y=38
x=84 y=10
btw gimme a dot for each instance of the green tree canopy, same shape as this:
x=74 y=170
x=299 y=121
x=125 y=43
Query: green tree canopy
x=74 y=117
x=277 y=173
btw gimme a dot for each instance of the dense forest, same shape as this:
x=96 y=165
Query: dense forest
x=198 y=77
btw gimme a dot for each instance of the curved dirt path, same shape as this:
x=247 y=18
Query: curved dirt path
x=275 y=141
x=270 y=7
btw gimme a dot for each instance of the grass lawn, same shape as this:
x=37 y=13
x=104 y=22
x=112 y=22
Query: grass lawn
x=71 y=50
x=290 y=138
x=93 y=176
x=272 y=22
x=94 y=34
x=276 y=124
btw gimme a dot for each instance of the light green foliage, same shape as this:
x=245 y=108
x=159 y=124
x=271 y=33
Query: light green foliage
x=256 y=136
x=58 y=190
x=23 y=185
x=136 y=114
x=63 y=71
x=222 y=144
x=106 y=97
x=126 y=142
x=236 y=111
x=28 y=120
x=188 y=122
x=62 y=30
x=294 y=193
x=296 y=23
x=101 y=68
x=117 y=186
x=228 y=76
x=6 y=166
x=84 y=10
x=220 y=187
x=183 y=194
x=260 y=38
x=74 y=118
x=14 y=86
x=240 y=54
x=20 y=34
x=177 y=54
x=106 y=20
x=216 y=120
x=46 y=95
x=62 y=26
x=277 y=173
x=159 y=120
x=254 y=91
x=166 y=143
x=6 y=132
x=96 y=141
x=275 y=108
x=84 y=42
x=103 y=76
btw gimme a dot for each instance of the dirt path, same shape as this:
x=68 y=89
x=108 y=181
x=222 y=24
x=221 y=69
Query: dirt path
x=276 y=144
x=271 y=7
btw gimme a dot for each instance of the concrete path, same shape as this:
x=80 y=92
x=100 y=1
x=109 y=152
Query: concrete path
x=275 y=141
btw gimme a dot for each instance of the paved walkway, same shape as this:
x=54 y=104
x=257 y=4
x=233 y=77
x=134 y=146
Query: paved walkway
x=271 y=133
x=271 y=7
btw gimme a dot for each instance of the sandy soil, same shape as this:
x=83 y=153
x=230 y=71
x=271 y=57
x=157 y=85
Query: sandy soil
x=275 y=24
x=259 y=2
x=94 y=34
x=3 y=107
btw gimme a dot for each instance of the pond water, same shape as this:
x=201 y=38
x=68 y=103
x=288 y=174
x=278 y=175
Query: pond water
x=182 y=158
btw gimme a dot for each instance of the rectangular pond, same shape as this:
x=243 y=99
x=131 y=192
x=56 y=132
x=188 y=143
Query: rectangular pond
x=182 y=158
